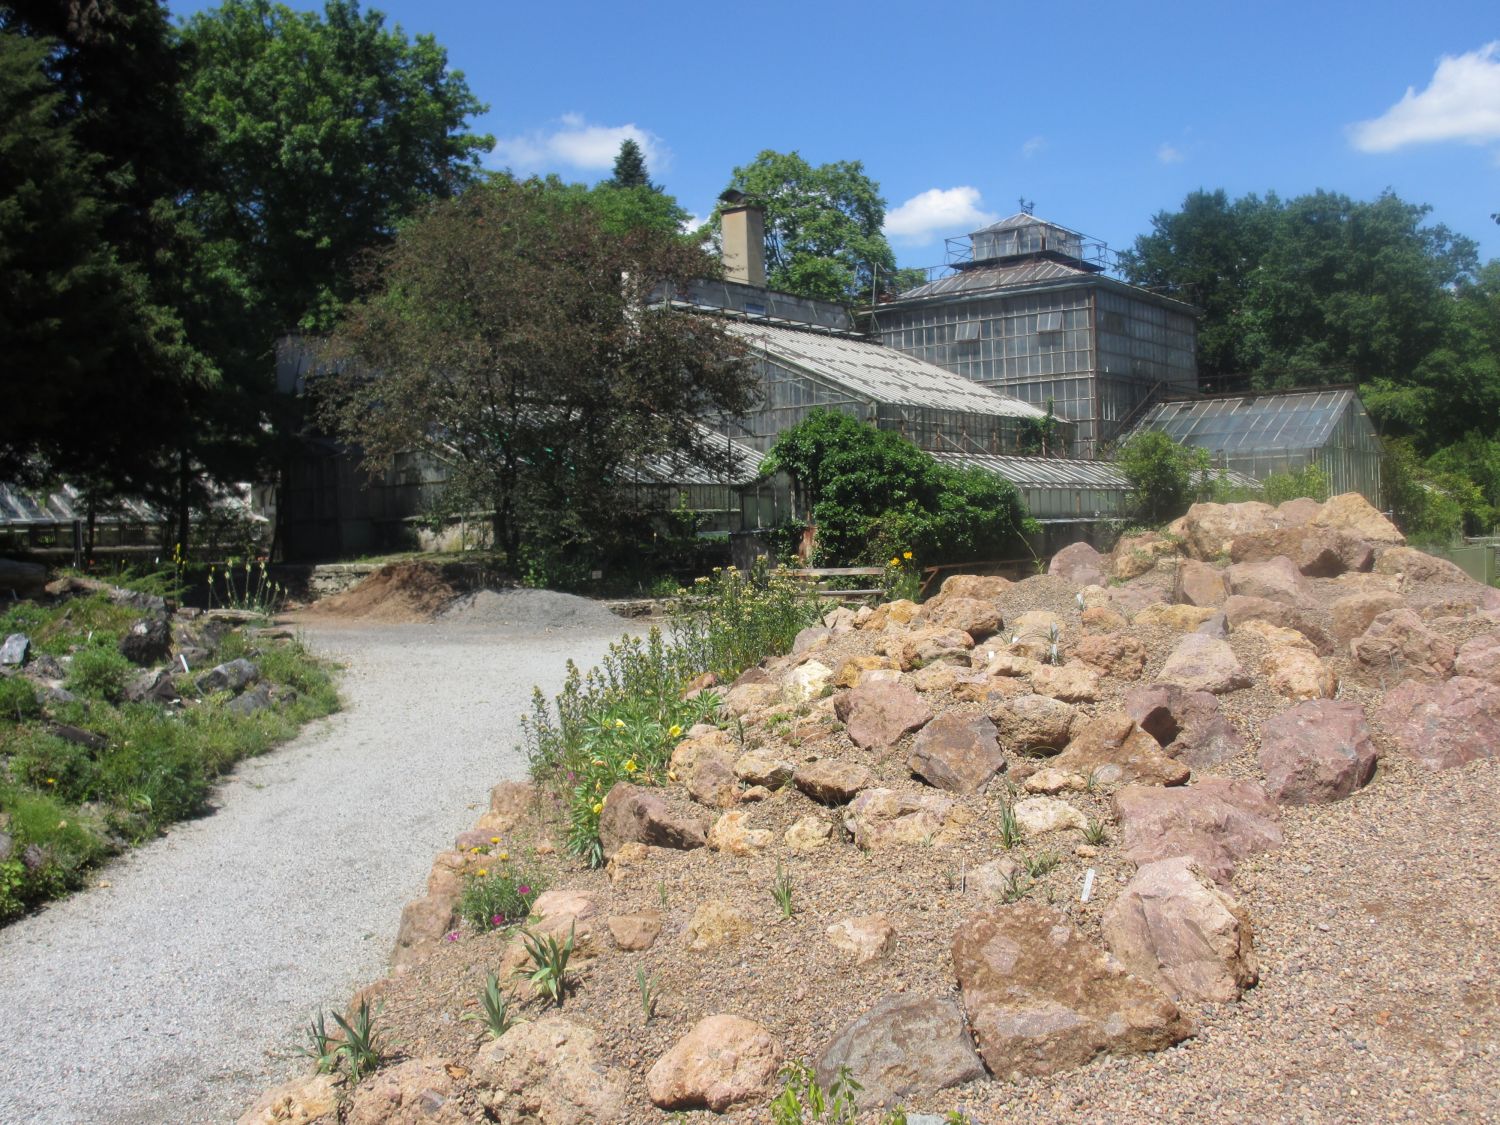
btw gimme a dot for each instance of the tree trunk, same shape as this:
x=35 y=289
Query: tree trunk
x=183 y=479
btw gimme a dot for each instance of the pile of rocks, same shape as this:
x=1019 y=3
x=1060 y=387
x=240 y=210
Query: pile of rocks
x=1148 y=714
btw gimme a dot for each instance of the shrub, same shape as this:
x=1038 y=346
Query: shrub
x=1309 y=481
x=54 y=766
x=1165 y=478
x=62 y=842
x=18 y=701
x=99 y=672
x=501 y=898
x=729 y=621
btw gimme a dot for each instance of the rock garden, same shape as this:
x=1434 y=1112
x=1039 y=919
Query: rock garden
x=1080 y=846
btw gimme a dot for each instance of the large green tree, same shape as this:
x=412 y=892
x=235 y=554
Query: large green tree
x=324 y=131
x=823 y=226
x=512 y=338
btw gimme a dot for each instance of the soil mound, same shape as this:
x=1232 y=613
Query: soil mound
x=399 y=593
x=541 y=609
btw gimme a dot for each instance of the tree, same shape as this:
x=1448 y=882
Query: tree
x=874 y=495
x=1164 y=477
x=630 y=167
x=326 y=131
x=511 y=338
x=823 y=226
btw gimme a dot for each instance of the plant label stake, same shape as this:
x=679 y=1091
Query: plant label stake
x=182 y=656
x=1088 y=885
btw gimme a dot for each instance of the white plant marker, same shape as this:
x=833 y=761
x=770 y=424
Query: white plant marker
x=182 y=656
x=1088 y=885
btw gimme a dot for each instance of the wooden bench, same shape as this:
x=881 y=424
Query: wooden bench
x=821 y=573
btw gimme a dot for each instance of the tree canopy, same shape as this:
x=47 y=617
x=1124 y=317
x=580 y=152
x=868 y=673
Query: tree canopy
x=630 y=167
x=512 y=338
x=823 y=226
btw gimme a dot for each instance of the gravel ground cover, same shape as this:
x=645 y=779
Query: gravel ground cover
x=175 y=990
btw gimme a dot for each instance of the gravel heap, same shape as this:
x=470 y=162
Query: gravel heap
x=519 y=608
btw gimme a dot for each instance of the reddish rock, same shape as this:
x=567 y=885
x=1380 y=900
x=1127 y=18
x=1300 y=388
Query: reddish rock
x=1443 y=725
x=549 y=1070
x=1112 y=654
x=1353 y=613
x=977 y=617
x=1276 y=580
x=1103 y=619
x=1172 y=927
x=876 y=716
x=1398 y=645
x=903 y=1047
x=1239 y=609
x=1070 y=682
x=863 y=938
x=1041 y=999
x=309 y=1099
x=880 y=818
x=1417 y=568
x=956 y=752
x=1317 y=752
x=713 y=783
x=1113 y=750
x=1295 y=672
x=1298 y=512
x=1028 y=723
x=723 y=1061
x=414 y=1092
x=926 y=645
x=1318 y=552
x=633 y=814
x=1199 y=584
x=1479 y=659
x=424 y=922
x=811 y=639
x=1079 y=564
x=831 y=782
x=1217 y=822
x=1130 y=599
x=1352 y=513
x=1203 y=663
x=1208 y=529
x=732 y=835
x=637 y=931
x=1188 y=724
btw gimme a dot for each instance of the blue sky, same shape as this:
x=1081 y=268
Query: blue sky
x=1102 y=114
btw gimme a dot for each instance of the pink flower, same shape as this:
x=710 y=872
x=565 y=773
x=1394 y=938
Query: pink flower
x=451 y=935
x=497 y=920
x=523 y=889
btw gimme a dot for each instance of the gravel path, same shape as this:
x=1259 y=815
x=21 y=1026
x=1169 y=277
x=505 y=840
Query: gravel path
x=176 y=992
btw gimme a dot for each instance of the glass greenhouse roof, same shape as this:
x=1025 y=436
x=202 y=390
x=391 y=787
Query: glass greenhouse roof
x=1056 y=472
x=1245 y=423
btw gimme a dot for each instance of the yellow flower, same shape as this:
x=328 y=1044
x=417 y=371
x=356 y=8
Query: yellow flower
x=503 y=857
x=672 y=775
x=630 y=766
x=52 y=781
x=894 y=562
x=598 y=807
x=675 y=730
x=906 y=554
x=494 y=839
x=475 y=851
x=619 y=724
x=482 y=872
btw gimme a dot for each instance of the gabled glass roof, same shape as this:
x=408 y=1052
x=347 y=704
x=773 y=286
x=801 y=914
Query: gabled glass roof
x=1245 y=423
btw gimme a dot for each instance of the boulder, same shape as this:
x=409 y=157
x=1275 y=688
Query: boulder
x=904 y=1047
x=1298 y=512
x=1352 y=513
x=711 y=743
x=807 y=681
x=722 y=1062
x=634 y=814
x=1203 y=663
x=714 y=783
x=234 y=675
x=1199 y=584
x=852 y=671
x=978 y=617
x=881 y=818
x=148 y=642
x=1042 y=999
x=1173 y=927
x=1010 y=664
x=1071 y=682
x=982 y=586
x=876 y=716
x=1039 y=816
x=1276 y=580
x=732 y=835
x=1416 y=568
x=1049 y=780
x=1317 y=752
x=1215 y=821
x=927 y=646
x=1317 y=552
x=1442 y=725
x=957 y=752
x=1208 y=529
x=424 y=922
x=550 y=1071
x=1028 y=723
x=633 y=932
x=808 y=834
x=1131 y=599
x=832 y=783
x=1239 y=609
x=1135 y=555
x=1398 y=645
x=1079 y=564
x=758 y=767
x=251 y=702
x=511 y=802
x=305 y=1100
x=990 y=881
x=863 y=938
x=1479 y=658
x=741 y=699
x=1103 y=619
x=155 y=687
x=1187 y=724
x=22 y=579
x=811 y=639
x=1112 y=654
x=716 y=923
x=414 y=1092
x=1297 y=673
x=1114 y=750
x=1181 y=618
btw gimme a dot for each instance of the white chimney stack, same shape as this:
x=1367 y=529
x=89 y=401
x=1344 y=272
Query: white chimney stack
x=744 y=240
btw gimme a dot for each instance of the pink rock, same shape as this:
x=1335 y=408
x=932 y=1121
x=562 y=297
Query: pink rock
x=1317 y=752
x=1199 y=584
x=957 y=752
x=1353 y=613
x=882 y=818
x=722 y=1062
x=1187 y=724
x=864 y=938
x=1112 y=654
x=1079 y=564
x=633 y=814
x=414 y=1092
x=1239 y=609
x=1203 y=663
x=903 y=1046
x=1444 y=724
x=1352 y=513
x=1318 y=552
x=1216 y=821
x=1276 y=580
x=978 y=617
x=1398 y=645
x=832 y=783
x=876 y=716
x=548 y=1070
x=1479 y=659
x=1208 y=529
x=1114 y=750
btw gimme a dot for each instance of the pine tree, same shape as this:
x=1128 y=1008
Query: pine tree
x=630 y=167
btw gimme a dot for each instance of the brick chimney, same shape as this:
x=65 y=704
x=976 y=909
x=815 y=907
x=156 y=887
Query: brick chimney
x=744 y=240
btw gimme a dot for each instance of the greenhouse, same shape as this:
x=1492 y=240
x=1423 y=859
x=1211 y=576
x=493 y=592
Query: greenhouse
x=1281 y=432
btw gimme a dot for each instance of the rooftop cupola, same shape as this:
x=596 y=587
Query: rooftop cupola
x=1025 y=236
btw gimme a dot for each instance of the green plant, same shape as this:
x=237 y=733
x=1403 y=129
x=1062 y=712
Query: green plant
x=100 y=672
x=648 y=990
x=781 y=890
x=661 y=892
x=804 y=1101
x=18 y=699
x=493 y=900
x=1041 y=863
x=494 y=1007
x=1009 y=827
x=318 y=1047
x=1165 y=477
x=1017 y=886
x=359 y=1048
x=549 y=960
x=245 y=585
x=902 y=579
x=1094 y=833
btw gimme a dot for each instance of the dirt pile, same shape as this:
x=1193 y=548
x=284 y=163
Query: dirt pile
x=400 y=593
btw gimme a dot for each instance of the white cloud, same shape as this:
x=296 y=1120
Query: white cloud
x=1033 y=146
x=1169 y=153
x=1461 y=103
x=578 y=144
x=935 y=210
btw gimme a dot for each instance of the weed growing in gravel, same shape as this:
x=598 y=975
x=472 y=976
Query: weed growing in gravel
x=501 y=898
x=731 y=619
x=1017 y=887
x=803 y=1100
x=781 y=890
x=319 y=1048
x=648 y=989
x=494 y=1008
x=99 y=672
x=1010 y=827
x=549 y=960
x=661 y=892
x=1094 y=833
x=359 y=1048
x=1040 y=864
